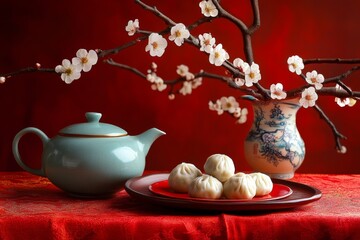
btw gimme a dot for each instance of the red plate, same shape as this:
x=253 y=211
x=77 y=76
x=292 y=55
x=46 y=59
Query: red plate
x=138 y=188
x=162 y=188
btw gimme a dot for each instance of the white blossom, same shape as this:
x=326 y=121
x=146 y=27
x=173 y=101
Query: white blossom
x=2 y=79
x=240 y=64
x=239 y=81
x=229 y=104
x=252 y=74
x=196 y=82
x=342 y=102
x=151 y=76
x=218 y=55
x=158 y=84
x=295 y=64
x=154 y=66
x=69 y=72
x=315 y=79
x=277 y=92
x=156 y=45
x=85 y=59
x=242 y=115
x=216 y=107
x=183 y=71
x=132 y=27
x=208 y=9
x=178 y=33
x=342 y=150
x=352 y=102
x=308 y=97
x=237 y=112
x=207 y=42
x=186 y=88
x=189 y=76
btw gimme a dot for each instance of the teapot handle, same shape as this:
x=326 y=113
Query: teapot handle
x=15 y=148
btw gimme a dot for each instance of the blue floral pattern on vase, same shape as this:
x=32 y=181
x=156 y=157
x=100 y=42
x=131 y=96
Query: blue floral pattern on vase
x=275 y=139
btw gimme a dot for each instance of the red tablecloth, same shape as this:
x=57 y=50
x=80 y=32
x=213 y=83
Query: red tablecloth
x=32 y=208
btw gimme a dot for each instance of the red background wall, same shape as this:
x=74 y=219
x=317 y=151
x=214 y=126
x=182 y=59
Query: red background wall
x=49 y=31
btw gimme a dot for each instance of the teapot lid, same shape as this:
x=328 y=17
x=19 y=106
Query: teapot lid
x=92 y=128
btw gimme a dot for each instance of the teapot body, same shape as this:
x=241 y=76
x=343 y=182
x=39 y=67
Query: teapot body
x=92 y=166
x=90 y=159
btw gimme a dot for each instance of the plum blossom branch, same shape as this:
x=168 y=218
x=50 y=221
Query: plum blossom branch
x=241 y=75
x=183 y=77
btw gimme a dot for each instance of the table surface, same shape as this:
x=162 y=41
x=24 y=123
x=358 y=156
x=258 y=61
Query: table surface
x=31 y=206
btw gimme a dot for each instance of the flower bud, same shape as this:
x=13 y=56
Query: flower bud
x=171 y=96
x=342 y=150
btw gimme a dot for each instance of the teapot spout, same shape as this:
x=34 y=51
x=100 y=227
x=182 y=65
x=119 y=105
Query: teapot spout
x=148 y=137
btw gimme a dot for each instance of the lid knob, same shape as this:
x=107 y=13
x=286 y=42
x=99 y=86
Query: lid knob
x=93 y=116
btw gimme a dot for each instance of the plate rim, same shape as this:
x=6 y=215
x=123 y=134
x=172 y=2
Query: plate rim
x=146 y=196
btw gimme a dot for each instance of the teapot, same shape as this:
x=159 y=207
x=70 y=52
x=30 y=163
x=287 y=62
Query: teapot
x=90 y=159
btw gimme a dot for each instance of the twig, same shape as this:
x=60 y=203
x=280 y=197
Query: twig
x=340 y=93
x=331 y=60
x=343 y=75
x=166 y=19
x=336 y=133
x=27 y=70
x=199 y=22
x=256 y=17
x=103 y=53
x=127 y=67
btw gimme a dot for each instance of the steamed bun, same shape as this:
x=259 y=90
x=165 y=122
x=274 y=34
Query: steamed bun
x=182 y=175
x=206 y=186
x=220 y=166
x=240 y=186
x=263 y=183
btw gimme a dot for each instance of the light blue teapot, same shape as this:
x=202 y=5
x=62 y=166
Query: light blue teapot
x=90 y=159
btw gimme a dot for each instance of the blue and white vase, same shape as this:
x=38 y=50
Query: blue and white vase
x=273 y=145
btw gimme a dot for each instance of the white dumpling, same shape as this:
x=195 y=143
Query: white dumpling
x=181 y=177
x=220 y=166
x=263 y=182
x=240 y=186
x=206 y=186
